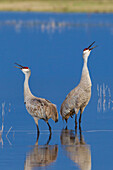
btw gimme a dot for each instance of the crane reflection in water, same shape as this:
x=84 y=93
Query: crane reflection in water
x=41 y=155
x=76 y=149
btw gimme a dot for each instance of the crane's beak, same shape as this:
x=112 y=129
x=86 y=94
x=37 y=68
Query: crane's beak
x=20 y=66
x=92 y=47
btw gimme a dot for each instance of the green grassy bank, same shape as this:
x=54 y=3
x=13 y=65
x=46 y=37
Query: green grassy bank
x=57 y=5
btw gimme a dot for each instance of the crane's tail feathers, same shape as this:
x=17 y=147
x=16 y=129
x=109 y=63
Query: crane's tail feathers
x=54 y=113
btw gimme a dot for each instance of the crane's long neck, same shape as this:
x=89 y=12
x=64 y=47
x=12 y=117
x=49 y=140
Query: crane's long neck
x=85 y=78
x=27 y=92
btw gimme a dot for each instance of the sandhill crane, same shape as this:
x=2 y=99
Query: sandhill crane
x=79 y=97
x=38 y=108
x=76 y=149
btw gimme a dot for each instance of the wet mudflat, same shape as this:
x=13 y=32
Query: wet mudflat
x=51 y=46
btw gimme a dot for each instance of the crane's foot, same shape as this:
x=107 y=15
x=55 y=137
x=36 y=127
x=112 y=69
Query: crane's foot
x=49 y=127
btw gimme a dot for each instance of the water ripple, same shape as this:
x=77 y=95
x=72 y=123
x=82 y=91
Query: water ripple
x=51 y=25
x=104 y=98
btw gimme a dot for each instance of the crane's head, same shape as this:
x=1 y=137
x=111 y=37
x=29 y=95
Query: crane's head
x=24 y=69
x=86 y=51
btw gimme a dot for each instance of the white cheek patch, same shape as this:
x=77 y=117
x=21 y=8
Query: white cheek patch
x=25 y=70
x=86 y=51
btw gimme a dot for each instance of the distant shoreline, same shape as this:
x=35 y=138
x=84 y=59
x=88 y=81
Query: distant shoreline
x=64 y=6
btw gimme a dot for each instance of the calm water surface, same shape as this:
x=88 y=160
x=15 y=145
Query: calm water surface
x=51 y=45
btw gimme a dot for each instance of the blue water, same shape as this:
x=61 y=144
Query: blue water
x=51 y=46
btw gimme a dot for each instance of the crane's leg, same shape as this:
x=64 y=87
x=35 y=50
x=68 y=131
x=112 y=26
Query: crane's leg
x=76 y=111
x=66 y=120
x=81 y=137
x=37 y=129
x=81 y=111
x=49 y=127
x=80 y=132
x=36 y=121
x=75 y=121
x=49 y=139
x=80 y=118
x=75 y=133
x=66 y=127
x=38 y=133
x=80 y=128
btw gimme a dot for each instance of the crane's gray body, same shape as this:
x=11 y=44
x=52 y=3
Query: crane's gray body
x=79 y=97
x=40 y=108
